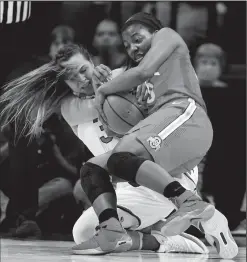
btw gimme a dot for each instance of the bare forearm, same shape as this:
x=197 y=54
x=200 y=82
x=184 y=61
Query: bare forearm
x=124 y=82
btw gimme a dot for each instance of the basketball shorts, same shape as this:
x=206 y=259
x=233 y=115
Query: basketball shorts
x=177 y=136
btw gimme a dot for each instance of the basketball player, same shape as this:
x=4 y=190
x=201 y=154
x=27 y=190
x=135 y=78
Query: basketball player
x=36 y=95
x=172 y=139
x=139 y=207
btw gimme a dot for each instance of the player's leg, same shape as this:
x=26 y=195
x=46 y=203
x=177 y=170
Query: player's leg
x=95 y=181
x=176 y=149
x=151 y=208
x=110 y=235
x=84 y=227
x=166 y=137
x=94 y=174
x=103 y=199
x=173 y=152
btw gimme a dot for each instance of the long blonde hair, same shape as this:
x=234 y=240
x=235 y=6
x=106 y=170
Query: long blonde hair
x=28 y=101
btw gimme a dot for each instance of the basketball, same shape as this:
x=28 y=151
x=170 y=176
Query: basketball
x=122 y=112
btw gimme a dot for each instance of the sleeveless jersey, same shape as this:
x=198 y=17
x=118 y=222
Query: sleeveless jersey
x=176 y=78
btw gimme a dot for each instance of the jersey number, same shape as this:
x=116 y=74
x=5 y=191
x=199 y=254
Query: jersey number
x=104 y=139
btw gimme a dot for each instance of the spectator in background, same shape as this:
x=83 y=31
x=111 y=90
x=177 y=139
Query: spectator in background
x=60 y=36
x=84 y=16
x=209 y=64
x=20 y=170
x=108 y=44
x=39 y=173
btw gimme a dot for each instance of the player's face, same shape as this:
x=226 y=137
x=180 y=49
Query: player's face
x=208 y=68
x=79 y=73
x=137 y=41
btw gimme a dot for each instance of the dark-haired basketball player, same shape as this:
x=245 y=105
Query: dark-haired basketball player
x=171 y=140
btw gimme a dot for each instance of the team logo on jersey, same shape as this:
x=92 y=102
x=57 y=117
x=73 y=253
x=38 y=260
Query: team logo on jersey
x=155 y=142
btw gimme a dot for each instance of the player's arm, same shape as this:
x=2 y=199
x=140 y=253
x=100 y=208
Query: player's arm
x=62 y=161
x=163 y=45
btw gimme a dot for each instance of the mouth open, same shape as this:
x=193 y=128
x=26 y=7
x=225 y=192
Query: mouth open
x=138 y=58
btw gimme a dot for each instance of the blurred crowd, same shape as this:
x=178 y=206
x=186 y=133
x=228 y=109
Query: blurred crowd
x=38 y=178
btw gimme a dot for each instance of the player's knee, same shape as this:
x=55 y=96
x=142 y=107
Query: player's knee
x=81 y=233
x=125 y=165
x=95 y=181
x=76 y=234
x=84 y=227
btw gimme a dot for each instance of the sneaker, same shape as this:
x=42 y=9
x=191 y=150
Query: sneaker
x=218 y=235
x=184 y=243
x=110 y=237
x=241 y=229
x=190 y=209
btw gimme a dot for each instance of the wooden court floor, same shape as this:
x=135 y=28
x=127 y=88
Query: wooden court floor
x=59 y=251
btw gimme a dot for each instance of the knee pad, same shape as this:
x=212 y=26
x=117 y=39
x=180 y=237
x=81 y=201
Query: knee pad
x=95 y=181
x=125 y=165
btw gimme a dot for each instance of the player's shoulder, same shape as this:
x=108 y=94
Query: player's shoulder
x=169 y=33
x=68 y=101
x=68 y=105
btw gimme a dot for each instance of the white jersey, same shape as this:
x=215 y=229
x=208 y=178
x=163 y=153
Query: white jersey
x=82 y=117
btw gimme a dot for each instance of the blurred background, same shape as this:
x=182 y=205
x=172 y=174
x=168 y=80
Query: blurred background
x=37 y=180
